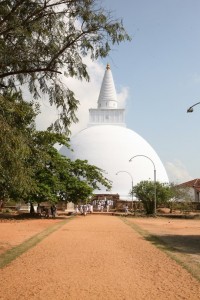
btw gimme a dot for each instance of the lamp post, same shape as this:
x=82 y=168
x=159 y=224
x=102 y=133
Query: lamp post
x=190 y=109
x=154 y=172
x=131 y=185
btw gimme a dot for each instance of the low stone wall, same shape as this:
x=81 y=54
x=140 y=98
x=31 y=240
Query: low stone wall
x=137 y=205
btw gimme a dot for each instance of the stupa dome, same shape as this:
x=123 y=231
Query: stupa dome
x=110 y=148
x=109 y=145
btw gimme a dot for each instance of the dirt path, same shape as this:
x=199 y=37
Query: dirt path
x=13 y=233
x=96 y=257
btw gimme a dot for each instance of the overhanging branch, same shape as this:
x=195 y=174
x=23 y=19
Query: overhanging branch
x=29 y=71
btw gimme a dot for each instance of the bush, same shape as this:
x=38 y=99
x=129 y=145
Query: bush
x=6 y=210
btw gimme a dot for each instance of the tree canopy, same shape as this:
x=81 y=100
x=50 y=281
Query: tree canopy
x=59 y=178
x=31 y=168
x=41 y=39
x=40 y=42
x=145 y=191
x=17 y=126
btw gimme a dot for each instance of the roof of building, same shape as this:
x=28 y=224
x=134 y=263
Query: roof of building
x=195 y=183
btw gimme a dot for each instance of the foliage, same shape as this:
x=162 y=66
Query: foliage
x=59 y=178
x=145 y=191
x=41 y=39
x=17 y=125
x=181 y=197
x=88 y=178
x=180 y=193
x=6 y=210
x=31 y=169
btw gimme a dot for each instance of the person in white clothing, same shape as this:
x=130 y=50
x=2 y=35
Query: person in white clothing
x=99 y=207
x=77 y=210
x=81 y=209
x=126 y=209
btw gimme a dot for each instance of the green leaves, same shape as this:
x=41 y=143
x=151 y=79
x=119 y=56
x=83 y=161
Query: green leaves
x=59 y=178
x=30 y=167
x=145 y=191
x=17 y=125
x=41 y=39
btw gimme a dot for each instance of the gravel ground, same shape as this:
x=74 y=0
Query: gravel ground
x=96 y=257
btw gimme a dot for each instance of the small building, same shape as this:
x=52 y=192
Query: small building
x=194 y=188
x=110 y=199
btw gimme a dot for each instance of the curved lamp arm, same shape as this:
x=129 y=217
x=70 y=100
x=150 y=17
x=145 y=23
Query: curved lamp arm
x=190 y=109
x=125 y=172
x=143 y=156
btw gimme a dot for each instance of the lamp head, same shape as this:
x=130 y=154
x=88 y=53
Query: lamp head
x=190 y=109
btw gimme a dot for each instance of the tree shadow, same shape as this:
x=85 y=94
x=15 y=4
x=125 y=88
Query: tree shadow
x=189 y=244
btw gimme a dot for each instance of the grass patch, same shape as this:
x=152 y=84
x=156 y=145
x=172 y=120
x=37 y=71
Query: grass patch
x=13 y=253
x=182 y=258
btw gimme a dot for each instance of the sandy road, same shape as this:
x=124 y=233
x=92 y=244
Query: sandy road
x=96 y=257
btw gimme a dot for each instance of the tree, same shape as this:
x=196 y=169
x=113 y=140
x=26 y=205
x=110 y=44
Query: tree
x=59 y=178
x=181 y=197
x=87 y=179
x=41 y=39
x=31 y=169
x=17 y=126
x=145 y=191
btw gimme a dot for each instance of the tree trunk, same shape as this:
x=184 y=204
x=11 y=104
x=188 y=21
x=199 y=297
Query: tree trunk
x=149 y=207
x=1 y=204
x=32 y=211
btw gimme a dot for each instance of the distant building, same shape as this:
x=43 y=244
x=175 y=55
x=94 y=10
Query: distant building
x=109 y=145
x=194 y=188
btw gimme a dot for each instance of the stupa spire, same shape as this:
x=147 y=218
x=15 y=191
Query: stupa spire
x=107 y=97
x=108 y=67
x=107 y=111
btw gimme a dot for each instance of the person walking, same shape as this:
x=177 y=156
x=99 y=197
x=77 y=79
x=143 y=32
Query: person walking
x=107 y=207
x=126 y=209
x=53 y=211
x=39 y=211
x=77 y=210
x=81 y=209
x=99 y=207
x=84 y=210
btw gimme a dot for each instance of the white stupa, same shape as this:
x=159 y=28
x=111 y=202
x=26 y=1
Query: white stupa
x=108 y=144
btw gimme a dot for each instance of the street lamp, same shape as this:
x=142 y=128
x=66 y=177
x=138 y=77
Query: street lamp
x=154 y=178
x=190 y=109
x=131 y=185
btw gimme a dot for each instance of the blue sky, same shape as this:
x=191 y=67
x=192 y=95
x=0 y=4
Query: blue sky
x=161 y=69
x=157 y=75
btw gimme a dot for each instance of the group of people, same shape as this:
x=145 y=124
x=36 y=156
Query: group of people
x=47 y=211
x=84 y=209
x=103 y=204
x=100 y=207
x=88 y=208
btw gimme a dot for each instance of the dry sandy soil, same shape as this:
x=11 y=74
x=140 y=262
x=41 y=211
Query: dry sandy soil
x=99 y=257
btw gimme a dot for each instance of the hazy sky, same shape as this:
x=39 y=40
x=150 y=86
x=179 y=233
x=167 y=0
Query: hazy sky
x=157 y=75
